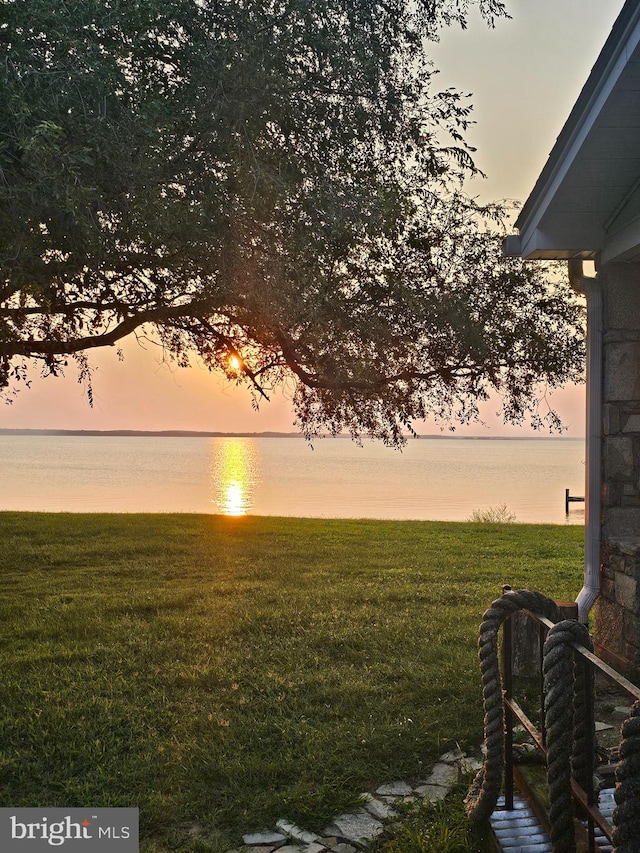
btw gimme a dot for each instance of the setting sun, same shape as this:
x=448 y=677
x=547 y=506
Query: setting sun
x=235 y=362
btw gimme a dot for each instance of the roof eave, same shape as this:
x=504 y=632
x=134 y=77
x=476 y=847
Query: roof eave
x=623 y=39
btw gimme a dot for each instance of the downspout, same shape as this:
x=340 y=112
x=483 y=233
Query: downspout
x=590 y=288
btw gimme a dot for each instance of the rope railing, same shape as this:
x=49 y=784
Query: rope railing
x=568 y=736
x=565 y=691
x=626 y=815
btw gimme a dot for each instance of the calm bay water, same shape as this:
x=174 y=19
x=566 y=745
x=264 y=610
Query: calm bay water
x=439 y=478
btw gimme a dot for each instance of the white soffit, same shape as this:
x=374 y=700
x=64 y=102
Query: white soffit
x=575 y=208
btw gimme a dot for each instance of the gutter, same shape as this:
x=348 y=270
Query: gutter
x=590 y=288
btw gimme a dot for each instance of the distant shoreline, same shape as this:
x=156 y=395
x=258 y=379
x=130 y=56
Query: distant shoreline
x=143 y=433
x=177 y=433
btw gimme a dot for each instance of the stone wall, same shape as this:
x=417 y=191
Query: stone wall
x=617 y=615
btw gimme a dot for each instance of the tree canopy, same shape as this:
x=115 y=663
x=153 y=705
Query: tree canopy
x=275 y=188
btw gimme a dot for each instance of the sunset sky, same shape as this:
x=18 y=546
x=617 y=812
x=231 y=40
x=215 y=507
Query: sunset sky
x=524 y=76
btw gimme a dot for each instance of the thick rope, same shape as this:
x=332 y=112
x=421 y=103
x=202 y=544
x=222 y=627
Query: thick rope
x=564 y=699
x=570 y=727
x=483 y=794
x=626 y=815
x=583 y=756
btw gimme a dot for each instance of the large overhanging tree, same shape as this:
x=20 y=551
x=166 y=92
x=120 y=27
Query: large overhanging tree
x=275 y=186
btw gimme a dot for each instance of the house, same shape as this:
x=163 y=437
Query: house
x=585 y=206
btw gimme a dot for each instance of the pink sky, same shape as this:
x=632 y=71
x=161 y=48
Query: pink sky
x=142 y=393
x=525 y=77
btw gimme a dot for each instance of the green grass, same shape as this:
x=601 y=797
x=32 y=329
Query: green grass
x=440 y=827
x=221 y=673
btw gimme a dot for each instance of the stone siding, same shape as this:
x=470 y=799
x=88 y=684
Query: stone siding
x=617 y=613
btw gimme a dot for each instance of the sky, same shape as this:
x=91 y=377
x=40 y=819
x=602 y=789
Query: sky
x=524 y=77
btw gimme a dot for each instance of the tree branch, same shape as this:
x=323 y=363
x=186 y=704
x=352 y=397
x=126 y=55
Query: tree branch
x=34 y=348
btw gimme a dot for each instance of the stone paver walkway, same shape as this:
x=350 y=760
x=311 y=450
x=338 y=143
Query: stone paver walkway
x=347 y=833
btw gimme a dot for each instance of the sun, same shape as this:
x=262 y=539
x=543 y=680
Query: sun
x=234 y=363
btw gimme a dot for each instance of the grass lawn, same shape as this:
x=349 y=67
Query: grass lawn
x=221 y=673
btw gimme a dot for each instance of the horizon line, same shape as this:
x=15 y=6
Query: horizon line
x=177 y=433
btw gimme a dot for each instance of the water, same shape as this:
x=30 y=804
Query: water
x=440 y=479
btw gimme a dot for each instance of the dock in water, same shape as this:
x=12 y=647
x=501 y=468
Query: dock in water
x=568 y=499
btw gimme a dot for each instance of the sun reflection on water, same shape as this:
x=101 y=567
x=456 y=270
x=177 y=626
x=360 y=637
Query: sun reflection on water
x=233 y=475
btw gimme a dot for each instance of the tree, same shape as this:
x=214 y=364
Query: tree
x=275 y=186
